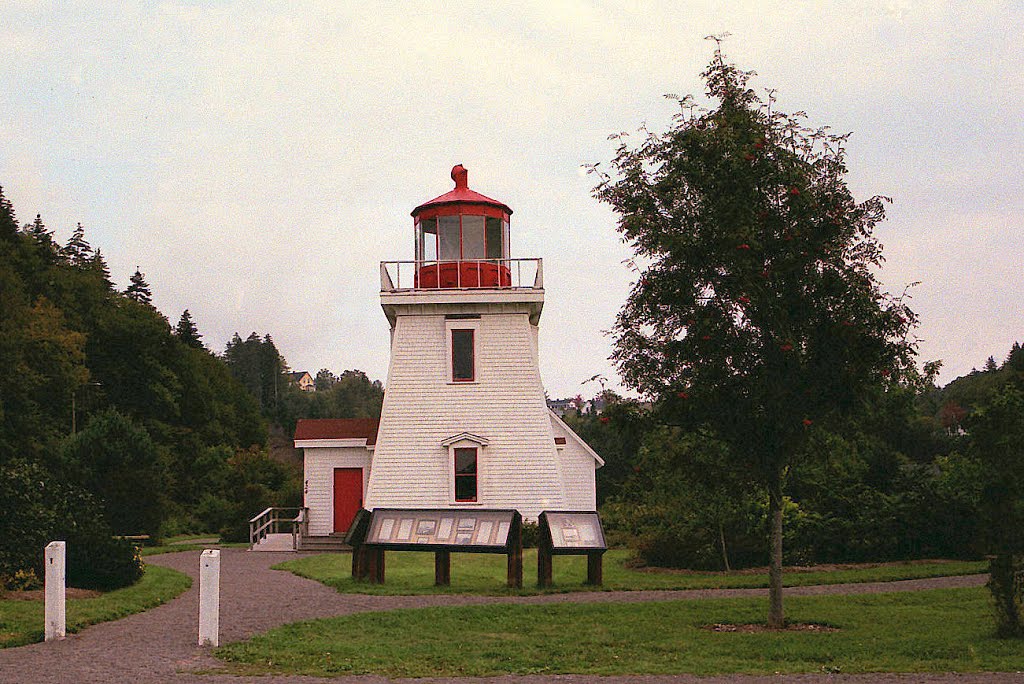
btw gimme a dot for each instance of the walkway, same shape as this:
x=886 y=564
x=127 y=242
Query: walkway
x=160 y=644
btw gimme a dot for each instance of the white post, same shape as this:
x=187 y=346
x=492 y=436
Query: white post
x=209 y=598
x=55 y=614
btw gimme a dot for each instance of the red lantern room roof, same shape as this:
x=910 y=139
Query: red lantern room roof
x=461 y=195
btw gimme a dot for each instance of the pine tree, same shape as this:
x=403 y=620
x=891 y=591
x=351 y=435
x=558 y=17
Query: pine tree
x=8 y=221
x=1015 y=359
x=139 y=290
x=77 y=251
x=99 y=265
x=187 y=332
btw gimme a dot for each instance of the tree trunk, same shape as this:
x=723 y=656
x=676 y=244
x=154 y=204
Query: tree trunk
x=1001 y=584
x=776 y=618
x=725 y=552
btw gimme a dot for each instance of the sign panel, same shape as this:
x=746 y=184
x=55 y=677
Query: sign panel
x=574 y=531
x=426 y=530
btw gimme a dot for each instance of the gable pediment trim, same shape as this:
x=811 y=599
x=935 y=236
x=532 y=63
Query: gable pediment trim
x=464 y=437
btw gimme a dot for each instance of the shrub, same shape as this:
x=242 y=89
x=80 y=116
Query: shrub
x=22 y=580
x=531 y=535
x=104 y=563
x=39 y=509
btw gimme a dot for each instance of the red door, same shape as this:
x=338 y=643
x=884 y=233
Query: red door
x=348 y=496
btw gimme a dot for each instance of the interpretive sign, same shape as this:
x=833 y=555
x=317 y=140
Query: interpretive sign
x=441 y=531
x=570 y=533
x=482 y=531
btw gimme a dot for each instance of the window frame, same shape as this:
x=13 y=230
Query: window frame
x=475 y=475
x=451 y=326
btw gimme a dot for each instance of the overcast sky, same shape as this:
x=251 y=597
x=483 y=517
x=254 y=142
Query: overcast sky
x=257 y=160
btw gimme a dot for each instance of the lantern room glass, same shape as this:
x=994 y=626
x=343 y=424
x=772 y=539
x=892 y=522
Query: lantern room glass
x=462 y=237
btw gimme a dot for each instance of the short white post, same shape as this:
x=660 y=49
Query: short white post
x=209 y=598
x=55 y=614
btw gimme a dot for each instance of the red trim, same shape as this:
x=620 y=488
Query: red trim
x=472 y=351
x=463 y=208
x=464 y=274
x=475 y=475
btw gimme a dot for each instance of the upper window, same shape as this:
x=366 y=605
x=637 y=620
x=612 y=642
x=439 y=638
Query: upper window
x=463 y=355
x=465 y=475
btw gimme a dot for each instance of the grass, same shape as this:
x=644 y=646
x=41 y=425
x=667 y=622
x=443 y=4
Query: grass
x=183 y=542
x=472 y=573
x=928 y=631
x=21 y=622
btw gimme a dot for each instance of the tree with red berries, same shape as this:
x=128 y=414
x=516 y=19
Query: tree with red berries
x=756 y=313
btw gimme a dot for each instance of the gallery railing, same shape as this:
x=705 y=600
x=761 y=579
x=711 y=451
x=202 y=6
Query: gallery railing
x=503 y=274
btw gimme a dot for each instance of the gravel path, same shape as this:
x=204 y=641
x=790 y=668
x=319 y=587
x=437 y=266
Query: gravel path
x=159 y=645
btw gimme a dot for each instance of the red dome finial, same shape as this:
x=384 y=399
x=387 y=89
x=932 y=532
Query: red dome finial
x=461 y=176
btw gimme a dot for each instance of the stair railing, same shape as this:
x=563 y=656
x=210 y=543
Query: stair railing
x=271 y=520
x=300 y=528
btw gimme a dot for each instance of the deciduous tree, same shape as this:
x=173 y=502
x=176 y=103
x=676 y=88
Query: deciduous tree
x=756 y=312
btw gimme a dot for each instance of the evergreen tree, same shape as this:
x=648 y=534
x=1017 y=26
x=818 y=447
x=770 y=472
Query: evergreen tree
x=758 y=315
x=187 y=332
x=324 y=380
x=43 y=237
x=8 y=221
x=77 y=251
x=99 y=266
x=990 y=364
x=139 y=290
x=1015 y=359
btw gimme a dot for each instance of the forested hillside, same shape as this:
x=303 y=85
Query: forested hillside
x=113 y=422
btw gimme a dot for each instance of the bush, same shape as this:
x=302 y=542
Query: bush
x=531 y=535
x=39 y=509
x=22 y=580
x=104 y=563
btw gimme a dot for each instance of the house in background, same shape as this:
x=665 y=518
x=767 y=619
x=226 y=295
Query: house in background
x=464 y=423
x=303 y=379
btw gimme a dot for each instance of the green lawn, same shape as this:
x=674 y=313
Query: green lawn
x=474 y=573
x=21 y=622
x=939 y=630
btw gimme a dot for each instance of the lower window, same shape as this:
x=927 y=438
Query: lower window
x=465 y=475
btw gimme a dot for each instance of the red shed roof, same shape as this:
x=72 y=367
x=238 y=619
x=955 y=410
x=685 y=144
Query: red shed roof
x=337 y=428
x=461 y=194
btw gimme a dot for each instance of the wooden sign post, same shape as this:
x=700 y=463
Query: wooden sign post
x=565 y=533
x=441 y=531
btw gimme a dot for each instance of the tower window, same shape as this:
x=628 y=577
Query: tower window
x=465 y=475
x=463 y=356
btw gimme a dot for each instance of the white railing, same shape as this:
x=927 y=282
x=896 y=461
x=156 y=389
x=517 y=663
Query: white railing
x=272 y=520
x=498 y=274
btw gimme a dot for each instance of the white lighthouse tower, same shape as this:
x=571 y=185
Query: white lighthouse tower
x=465 y=422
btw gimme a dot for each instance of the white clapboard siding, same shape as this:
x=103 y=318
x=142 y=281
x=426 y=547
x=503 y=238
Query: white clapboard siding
x=319 y=464
x=577 y=463
x=505 y=406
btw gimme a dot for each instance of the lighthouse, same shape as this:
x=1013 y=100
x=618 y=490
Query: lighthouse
x=465 y=422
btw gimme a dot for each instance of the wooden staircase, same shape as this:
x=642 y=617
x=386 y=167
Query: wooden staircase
x=330 y=543
x=287 y=529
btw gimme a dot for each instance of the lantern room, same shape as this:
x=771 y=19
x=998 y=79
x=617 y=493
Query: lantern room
x=462 y=239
